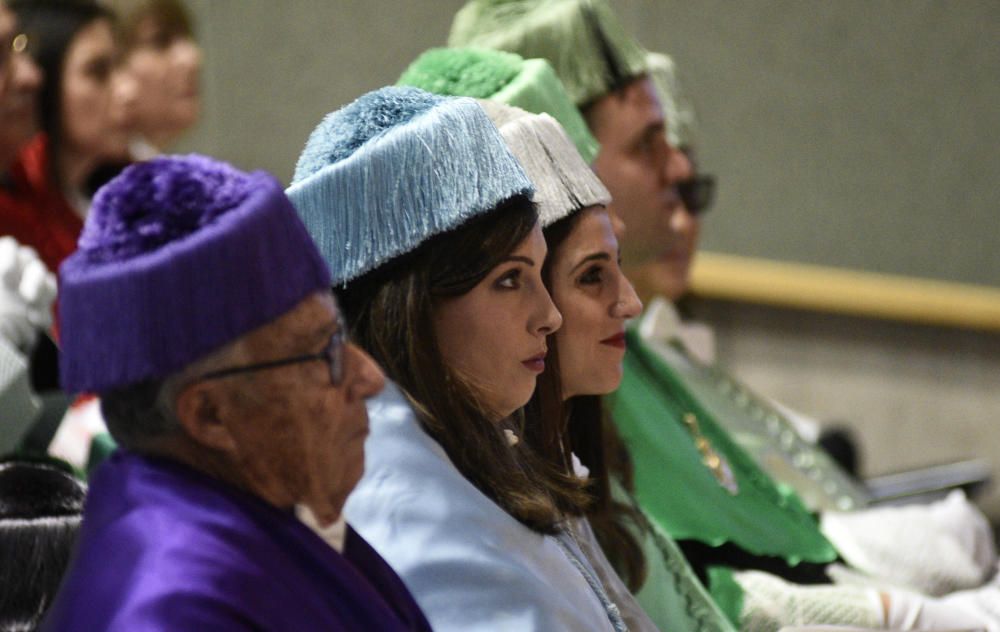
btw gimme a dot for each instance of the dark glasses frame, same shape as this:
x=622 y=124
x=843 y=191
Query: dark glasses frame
x=332 y=354
x=697 y=193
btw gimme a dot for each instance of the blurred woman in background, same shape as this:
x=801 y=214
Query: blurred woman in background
x=83 y=106
x=162 y=58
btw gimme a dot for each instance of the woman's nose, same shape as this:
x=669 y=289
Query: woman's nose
x=548 y=318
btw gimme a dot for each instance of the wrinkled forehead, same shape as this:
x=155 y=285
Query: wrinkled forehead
x=310 y=322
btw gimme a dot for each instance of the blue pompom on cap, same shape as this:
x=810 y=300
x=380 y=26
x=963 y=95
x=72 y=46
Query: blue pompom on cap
x=343 y=132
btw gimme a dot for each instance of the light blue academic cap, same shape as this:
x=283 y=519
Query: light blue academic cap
x=397 y=166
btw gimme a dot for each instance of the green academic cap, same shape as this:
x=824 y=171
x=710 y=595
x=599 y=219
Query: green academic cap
x=529 y=84
x=677 y=109
x=583 y=40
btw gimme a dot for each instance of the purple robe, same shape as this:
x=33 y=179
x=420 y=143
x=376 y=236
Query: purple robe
x=163 y=546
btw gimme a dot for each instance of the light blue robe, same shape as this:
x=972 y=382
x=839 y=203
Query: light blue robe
x=469 y=564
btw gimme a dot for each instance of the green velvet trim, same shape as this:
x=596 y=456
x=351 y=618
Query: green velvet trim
x=726 y=592
x=529 y=84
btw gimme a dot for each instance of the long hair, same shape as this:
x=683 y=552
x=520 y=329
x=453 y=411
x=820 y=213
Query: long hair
x=41 y=505
x=54 y=24
x=580 y=426
x=390 y=312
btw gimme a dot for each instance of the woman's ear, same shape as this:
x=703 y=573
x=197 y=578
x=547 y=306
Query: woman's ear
x=201 y=409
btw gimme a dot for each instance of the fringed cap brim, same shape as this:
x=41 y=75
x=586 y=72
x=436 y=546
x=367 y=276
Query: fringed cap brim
x=563 y=181
x=583 y=40
x=409 y=182
x=145 y=317
x=530 y=84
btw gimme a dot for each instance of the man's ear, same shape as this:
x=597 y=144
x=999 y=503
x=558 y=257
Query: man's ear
x=201 y=410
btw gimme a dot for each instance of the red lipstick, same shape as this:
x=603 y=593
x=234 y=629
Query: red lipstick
x=617 y=341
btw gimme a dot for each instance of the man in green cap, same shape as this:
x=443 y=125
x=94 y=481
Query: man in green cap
x=605 y=72
x=614 y=84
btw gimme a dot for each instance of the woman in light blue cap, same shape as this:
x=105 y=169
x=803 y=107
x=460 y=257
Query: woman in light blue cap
x=435 y=250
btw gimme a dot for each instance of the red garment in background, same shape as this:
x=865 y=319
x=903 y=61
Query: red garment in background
x=34 y=211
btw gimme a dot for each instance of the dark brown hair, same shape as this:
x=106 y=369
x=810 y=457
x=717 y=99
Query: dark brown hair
x=172 y=20
x=389 y=313
x=580 y=426
x=55 y=24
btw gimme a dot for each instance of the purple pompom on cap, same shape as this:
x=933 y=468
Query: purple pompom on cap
x=179 y=256
x=154 y=203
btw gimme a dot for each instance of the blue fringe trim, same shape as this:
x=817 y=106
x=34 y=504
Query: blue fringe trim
x=440 y=166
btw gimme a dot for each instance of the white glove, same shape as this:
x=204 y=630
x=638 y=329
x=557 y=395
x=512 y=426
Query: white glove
x=770 y=603
x=967 y=525
x=932 y=549
x=910 y=611
x=27 y=290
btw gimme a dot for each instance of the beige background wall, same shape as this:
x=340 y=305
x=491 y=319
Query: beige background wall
x=852 y=133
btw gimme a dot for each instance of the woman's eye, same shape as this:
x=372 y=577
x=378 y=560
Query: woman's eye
x=509 y=280
x=592 y=276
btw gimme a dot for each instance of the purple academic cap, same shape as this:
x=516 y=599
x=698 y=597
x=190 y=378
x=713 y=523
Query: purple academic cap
x=179 y=256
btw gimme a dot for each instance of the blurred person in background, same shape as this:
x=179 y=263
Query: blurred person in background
x=20 y=81
x=82 y=112
x=163 y=59
x=83 y=106
x=29 y=214
x=30 y=211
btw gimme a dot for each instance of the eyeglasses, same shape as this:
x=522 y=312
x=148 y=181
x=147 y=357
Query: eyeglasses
x=18 y=45
x=697 y=193
x=332 y=354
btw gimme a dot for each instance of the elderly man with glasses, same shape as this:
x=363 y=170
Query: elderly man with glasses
x=199 y=309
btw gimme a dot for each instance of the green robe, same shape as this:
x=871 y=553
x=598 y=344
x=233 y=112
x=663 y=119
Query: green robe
x=683 y=495
x=765 y=433
x=672 y=595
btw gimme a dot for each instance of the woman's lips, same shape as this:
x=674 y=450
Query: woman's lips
x=535 y=363
x=617 y=341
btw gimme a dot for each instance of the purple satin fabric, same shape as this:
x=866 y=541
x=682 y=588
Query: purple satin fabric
x=164 y=547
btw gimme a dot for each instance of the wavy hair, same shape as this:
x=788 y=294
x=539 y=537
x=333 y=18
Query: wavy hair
x=580 y=426
x=390 y=311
